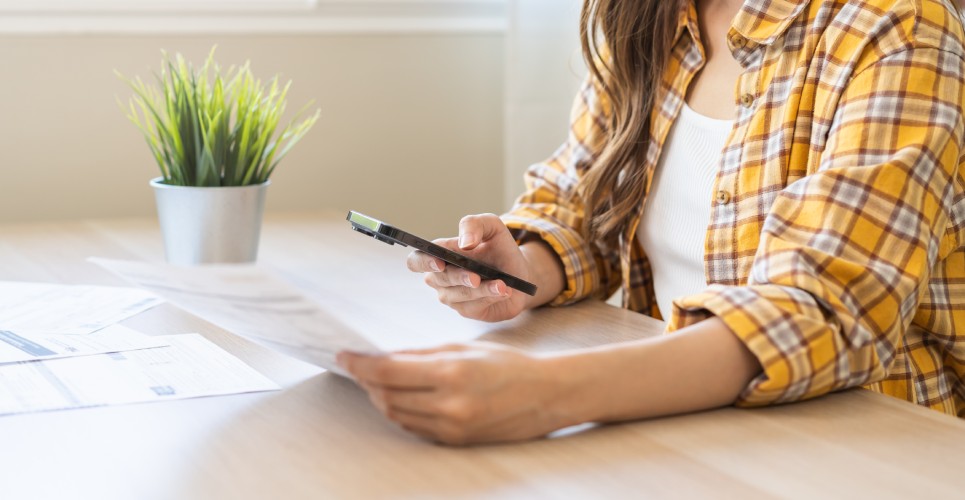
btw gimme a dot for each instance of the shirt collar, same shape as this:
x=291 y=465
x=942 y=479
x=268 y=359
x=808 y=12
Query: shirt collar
x=763 y=21
x=687 y=21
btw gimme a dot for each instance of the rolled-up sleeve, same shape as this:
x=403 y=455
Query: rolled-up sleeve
x=845 y=251
x=551 y=209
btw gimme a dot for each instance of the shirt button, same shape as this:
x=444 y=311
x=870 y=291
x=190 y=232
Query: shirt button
x=747 y=100
x=738 y=41
x=723 y=197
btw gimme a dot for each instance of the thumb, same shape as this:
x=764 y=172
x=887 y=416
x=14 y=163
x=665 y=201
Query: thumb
x=476 y=229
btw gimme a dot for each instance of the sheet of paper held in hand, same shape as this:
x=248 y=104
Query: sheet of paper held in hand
x=251 y=302
x=16 y=347
x=190 y=367
x=68 y=309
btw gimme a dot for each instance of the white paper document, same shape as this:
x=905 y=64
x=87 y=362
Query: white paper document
x=251 y=302
x=68 y=309
x=17 y=346
x=191 y=366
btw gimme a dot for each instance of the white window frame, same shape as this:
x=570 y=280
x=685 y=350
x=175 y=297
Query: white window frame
x=147 y=17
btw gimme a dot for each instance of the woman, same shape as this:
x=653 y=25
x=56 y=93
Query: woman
x=823 y=139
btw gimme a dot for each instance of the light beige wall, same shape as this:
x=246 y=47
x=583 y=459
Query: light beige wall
x=544 y=69
x=411 y=127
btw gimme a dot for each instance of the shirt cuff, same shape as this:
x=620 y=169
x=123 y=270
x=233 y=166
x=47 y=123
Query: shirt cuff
x=578 y=263
x=782 y=327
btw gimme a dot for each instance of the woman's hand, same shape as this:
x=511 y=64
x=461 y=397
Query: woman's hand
x=462 y=394
x=485 y=238
x=483 y=392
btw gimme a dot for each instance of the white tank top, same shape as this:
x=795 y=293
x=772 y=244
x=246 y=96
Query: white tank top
x=675 y=215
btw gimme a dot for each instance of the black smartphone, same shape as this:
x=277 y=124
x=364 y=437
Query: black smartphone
x=392 y=235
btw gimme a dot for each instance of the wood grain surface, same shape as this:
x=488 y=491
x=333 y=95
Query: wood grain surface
x=320 y=438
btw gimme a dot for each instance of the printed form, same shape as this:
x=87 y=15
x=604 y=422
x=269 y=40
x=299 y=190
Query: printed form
x=68 y=309
x=16 y=347
x=191 y=366
x=251 y=302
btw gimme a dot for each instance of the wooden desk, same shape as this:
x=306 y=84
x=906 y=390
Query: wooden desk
x=320 y=437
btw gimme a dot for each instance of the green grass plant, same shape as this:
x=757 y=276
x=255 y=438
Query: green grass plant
x=205 y=128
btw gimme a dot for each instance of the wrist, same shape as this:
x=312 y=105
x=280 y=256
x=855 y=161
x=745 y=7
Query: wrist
x=568 y=390
x=544 y=269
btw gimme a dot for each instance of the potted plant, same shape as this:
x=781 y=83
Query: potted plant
x=213 y=136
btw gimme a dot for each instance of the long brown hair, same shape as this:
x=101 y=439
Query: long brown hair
x=637 y=36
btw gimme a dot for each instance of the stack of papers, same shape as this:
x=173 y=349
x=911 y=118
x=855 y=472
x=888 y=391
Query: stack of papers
x=249 y=301
x=68 y=309
x=16 y=347
x=60 y=347
x=190 y=366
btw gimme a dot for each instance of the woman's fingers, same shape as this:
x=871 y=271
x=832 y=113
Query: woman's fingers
x=421 y=262
x=476 y=309
x=453 y=276
x=443 y=348
x=432 y=428
x=424 y=426
x=486 y=238
x=489 y=293
x=457 y=394
x=393 y=371
x=476 y=229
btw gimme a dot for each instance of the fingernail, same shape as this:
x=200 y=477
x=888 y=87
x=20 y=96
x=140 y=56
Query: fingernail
x=494 y=288
x=435 y=266
x=465 y=240
x=467 y=280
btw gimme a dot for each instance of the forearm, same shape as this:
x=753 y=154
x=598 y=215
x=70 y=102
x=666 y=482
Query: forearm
x=545 y=271
x=704 y=366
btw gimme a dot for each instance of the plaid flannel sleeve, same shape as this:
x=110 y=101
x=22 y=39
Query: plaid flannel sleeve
x=845 y=251
x=551 y=210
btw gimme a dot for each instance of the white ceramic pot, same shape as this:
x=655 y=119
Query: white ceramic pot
x=208 y=225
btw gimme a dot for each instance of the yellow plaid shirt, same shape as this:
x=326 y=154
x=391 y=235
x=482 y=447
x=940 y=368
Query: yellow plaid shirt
x=834 y=247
